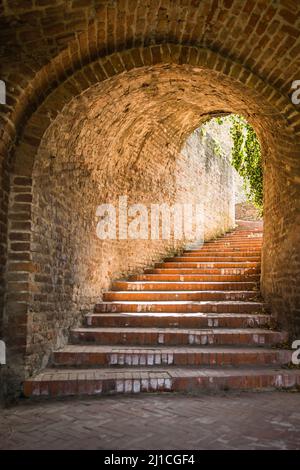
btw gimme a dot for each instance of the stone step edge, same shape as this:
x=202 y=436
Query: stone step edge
x=183 y=302
x=218 y=331
x=64 y=382
x=180 y=315
x=186 y=282
x=180 y=349
x=212 y=318
x=80 y=356
x=175 y=292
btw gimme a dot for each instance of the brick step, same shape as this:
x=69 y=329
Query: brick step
x=225 y=248
x=175 y=336
x=67 y=382
x=247 y=225
x=179 y=320
x=194 y=278
x=222 y=252
x=212 y=264
x=235 y=249
x=249 y=239
x=244 y=233
x=235 y=238
x=247 y=235
x=212 y=259
x=106 y=356
x=241 y=236
x=245 y=242
x=208 y=270
x=188 y=295
x=183 y=286
x=181 y=306
x=248 y=242
x=245 y=245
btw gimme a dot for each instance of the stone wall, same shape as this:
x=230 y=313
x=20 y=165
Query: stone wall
x=246 y=211
x=211 y=177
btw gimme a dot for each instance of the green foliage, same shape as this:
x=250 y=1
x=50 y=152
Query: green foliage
x=219 y=121
x=217 y=148
x=246 y=157
x=202 y=131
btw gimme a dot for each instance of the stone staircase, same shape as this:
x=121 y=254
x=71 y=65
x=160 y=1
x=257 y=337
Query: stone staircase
x=195 y=322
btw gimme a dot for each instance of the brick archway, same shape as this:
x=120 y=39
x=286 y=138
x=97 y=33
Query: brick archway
x=272 y=115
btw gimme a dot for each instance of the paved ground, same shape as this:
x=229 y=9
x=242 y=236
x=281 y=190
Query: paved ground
x=230 y=421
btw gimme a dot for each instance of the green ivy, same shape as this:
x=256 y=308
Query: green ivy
x=217 y=148
x=246 y=157
x=219 y=121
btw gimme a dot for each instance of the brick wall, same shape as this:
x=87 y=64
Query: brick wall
x=280 y=256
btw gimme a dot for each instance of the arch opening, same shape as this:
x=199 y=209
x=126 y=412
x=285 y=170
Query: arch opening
x=124 y=137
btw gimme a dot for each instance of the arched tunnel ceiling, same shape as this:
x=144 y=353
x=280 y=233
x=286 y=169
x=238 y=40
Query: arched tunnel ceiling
x=119 y=115
x=42 y=38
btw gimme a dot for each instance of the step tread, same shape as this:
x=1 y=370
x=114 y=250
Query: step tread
x=208 y=278
x=168 y=372
x=179 y=315
x=78 y=348
x=199 y=272
x=213 y=258
x=213 y=262
x=182 y=302
x=204 y=331
x=141 y=292
x=186 y=282
x=227 y=255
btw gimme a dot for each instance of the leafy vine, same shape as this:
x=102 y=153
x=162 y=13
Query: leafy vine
x=246 y=158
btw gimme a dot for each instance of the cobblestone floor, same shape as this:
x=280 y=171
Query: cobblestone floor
x=230 y=421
